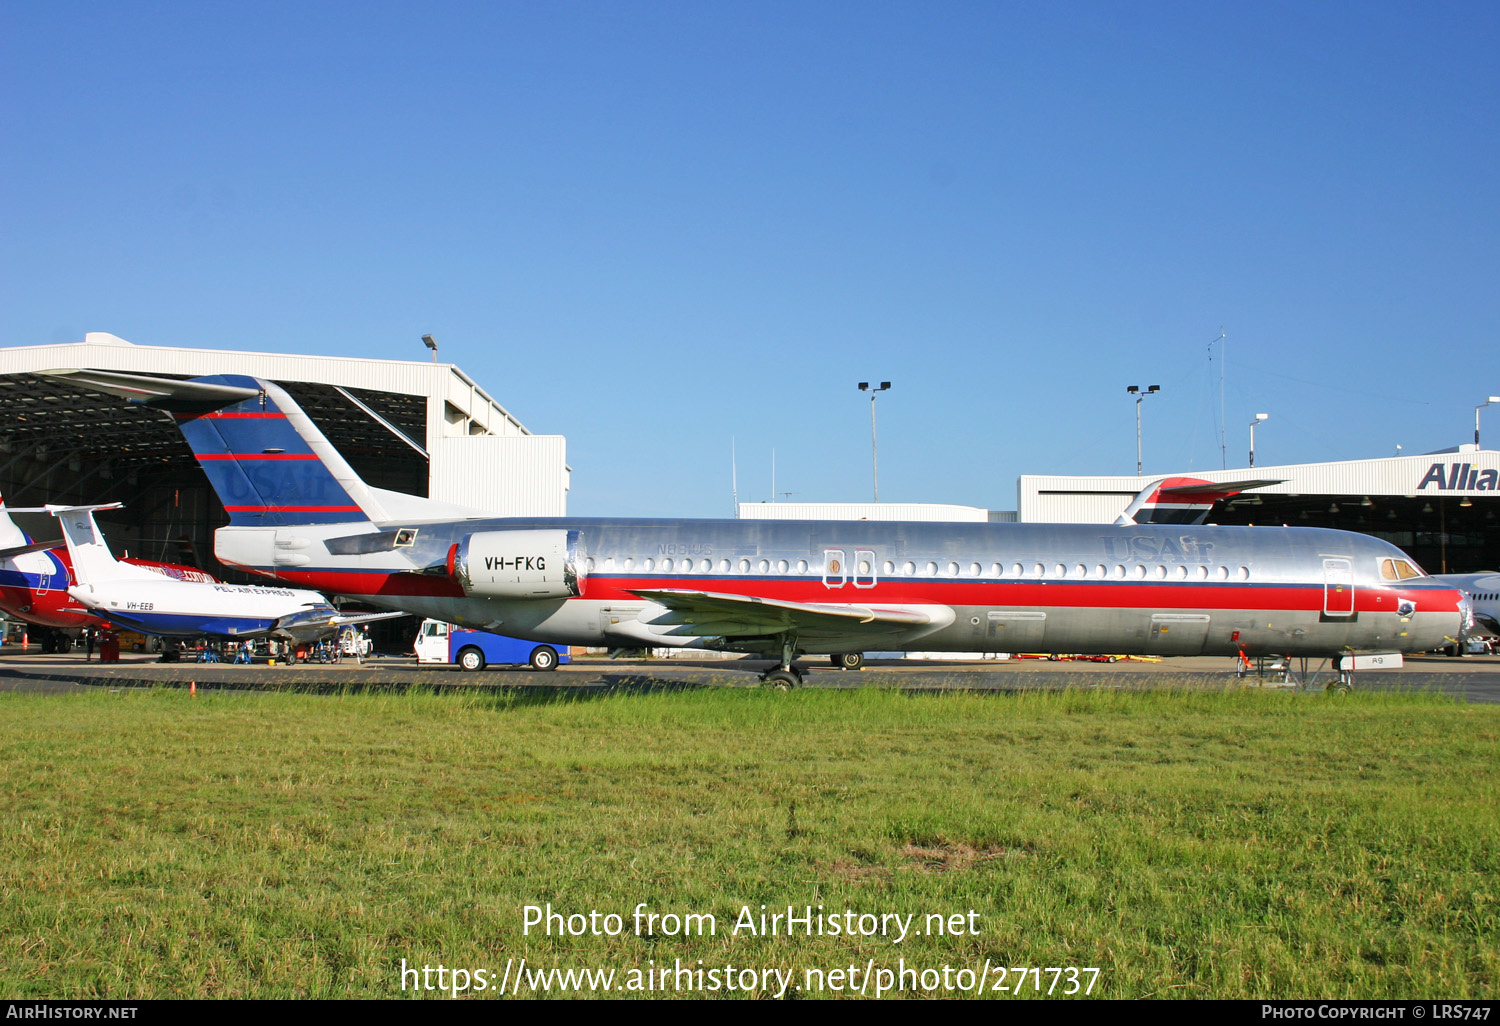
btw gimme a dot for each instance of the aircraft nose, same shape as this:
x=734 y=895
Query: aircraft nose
x=1465 y=615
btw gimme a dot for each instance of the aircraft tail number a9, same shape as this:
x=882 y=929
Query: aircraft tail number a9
x=786 y=588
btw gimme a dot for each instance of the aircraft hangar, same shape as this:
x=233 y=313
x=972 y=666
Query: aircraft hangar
x=1441 y=508
x=410 y=426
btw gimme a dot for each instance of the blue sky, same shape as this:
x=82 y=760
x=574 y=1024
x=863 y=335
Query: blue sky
x=654 y=227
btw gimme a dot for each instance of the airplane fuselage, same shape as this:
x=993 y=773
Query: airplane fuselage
x=1143 y=589
x=176 y=609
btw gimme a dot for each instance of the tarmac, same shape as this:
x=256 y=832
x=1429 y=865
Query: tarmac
x=1470 y=678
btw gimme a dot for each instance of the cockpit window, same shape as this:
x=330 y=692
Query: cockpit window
x=1398 y=570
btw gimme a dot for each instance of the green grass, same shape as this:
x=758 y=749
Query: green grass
x=1187 y=843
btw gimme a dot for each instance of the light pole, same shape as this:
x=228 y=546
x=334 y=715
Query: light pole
x=1258 y=418
x=430 y=343
x=1492 y=399
x=1135 y=390
x=864 y=386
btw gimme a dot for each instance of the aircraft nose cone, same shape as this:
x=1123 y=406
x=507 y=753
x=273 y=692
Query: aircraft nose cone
x=1465 y=615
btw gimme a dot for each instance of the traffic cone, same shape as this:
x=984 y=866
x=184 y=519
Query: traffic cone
x=192 y=687
x=25 y=641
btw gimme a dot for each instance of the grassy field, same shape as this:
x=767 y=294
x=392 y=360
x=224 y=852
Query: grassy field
x=1184 y=843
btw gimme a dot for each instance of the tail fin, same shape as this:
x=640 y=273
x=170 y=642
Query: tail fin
x=92 y=561
x=269 y=463
x=11 y=536
x=1181 y=500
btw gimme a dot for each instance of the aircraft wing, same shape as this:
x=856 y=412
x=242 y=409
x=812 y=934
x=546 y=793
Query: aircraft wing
x=312 y=625
x=705 y=614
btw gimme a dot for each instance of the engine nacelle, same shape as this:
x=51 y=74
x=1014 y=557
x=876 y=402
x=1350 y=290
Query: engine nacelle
x=519 y=564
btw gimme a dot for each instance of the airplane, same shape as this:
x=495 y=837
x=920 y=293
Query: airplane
x=143 y=600
x=1483 y=592
x=35 y=577
x=299 y=513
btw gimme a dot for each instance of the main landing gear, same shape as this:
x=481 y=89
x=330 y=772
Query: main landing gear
x=785 y=676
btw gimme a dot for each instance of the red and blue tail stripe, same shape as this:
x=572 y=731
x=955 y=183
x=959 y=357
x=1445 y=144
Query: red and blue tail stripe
x=265 y=472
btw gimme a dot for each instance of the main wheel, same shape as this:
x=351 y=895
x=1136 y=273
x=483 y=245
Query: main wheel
x=847 y=660
x=781 y=680
x=470 y=659
x=543 y=658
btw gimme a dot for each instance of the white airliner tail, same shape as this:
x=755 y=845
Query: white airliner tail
x=93 y=563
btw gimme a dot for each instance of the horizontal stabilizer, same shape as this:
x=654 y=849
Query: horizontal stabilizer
x=168 y=394
x=21 y=550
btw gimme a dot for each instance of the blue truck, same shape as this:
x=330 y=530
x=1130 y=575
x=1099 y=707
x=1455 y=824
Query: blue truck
x=439 y=642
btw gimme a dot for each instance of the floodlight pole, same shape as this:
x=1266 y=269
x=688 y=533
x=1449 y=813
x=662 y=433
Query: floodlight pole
x=1258 y=418
x=1135 y=390
x=864 y=386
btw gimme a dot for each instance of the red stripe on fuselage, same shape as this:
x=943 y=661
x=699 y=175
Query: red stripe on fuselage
x=369 y=583
x=998 y=594
x=229 y=416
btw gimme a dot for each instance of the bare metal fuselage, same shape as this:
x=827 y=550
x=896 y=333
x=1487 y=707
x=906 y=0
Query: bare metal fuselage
x=978 y=587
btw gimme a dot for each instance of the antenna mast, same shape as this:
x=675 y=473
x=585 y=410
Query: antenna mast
x=1223 y=444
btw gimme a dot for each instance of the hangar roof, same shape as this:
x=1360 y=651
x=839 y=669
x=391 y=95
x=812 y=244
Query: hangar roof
x=58 y=424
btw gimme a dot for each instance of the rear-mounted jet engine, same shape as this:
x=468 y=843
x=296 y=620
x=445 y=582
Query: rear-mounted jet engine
x=519 y=564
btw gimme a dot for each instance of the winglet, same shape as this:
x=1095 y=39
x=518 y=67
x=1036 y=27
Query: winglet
x=1182 y=500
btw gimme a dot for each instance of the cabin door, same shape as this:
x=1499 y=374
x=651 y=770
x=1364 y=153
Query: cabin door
x=1338 y=587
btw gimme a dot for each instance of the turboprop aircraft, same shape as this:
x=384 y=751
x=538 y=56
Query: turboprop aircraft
x=35 y=577
x=137 y=598
x=299 y=513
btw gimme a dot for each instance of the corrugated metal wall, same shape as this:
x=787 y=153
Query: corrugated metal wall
x=514 y=477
